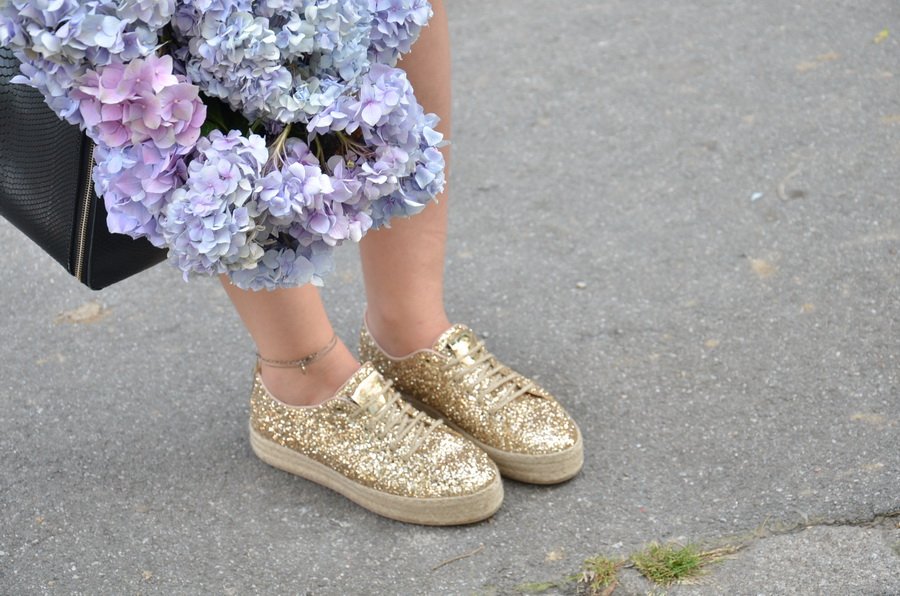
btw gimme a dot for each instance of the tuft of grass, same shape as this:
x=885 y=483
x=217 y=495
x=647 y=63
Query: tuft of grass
x=662 y=564
x=670 y=563
x=601 y=575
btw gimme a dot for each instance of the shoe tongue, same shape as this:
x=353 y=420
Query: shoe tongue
x=366 y=387
x=457 y=341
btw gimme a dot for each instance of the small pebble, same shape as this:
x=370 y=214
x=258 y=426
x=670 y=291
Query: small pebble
x=580 y=285
x=756 y=196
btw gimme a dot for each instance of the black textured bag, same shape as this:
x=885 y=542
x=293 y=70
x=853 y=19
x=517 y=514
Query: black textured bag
x=46 y=189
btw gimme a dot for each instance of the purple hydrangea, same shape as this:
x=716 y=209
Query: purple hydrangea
x=300 y=199
x=136 y=183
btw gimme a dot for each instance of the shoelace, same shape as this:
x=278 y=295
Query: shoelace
x=493 y=369
x=402 y=421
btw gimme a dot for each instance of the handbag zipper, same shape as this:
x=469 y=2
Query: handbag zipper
x=81 y=232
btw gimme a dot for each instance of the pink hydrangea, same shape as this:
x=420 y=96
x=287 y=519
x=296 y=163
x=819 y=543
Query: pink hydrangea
x=144 y=100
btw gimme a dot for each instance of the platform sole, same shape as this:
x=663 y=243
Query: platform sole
x=438 y=511
x=550 y=468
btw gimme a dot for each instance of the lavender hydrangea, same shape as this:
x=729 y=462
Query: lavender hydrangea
x=288 y=192
x=383 y=108
x=397 y=162
x=207 y=224
x=323 y=141
x=53 y=81
x=415 y=191
x=313 y=205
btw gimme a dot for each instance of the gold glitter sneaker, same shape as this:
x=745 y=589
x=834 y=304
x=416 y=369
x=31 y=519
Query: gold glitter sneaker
x=518 y=423
x=369 y=445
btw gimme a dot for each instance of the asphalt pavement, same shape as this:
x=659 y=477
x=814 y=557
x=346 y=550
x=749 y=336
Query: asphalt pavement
x=681 y=217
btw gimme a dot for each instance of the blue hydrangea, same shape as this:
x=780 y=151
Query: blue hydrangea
x=207 y=224
x=282 y=267
x=54 y=81
x=274 y=60
x=396 y=25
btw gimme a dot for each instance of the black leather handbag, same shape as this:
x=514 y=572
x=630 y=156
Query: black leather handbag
x=47 y=193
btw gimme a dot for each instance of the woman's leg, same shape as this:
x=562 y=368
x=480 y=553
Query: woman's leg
x=403 y=268
x=403 y=265
x=288 y=324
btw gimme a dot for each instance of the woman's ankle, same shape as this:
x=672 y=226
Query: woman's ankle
x=400 y=335
x=317 y=384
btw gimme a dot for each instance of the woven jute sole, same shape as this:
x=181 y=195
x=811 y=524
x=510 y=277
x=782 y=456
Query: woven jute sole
x=439 y=511
x=549 y=468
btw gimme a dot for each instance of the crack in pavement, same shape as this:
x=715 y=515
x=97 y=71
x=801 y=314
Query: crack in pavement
x=767 y=529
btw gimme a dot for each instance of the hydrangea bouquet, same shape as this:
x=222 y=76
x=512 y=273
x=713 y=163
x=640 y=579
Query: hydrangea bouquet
x=249 y=137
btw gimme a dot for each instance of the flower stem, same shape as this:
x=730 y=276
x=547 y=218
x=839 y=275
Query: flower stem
x=276 y=151
x=349 y=144
x=320 y=152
